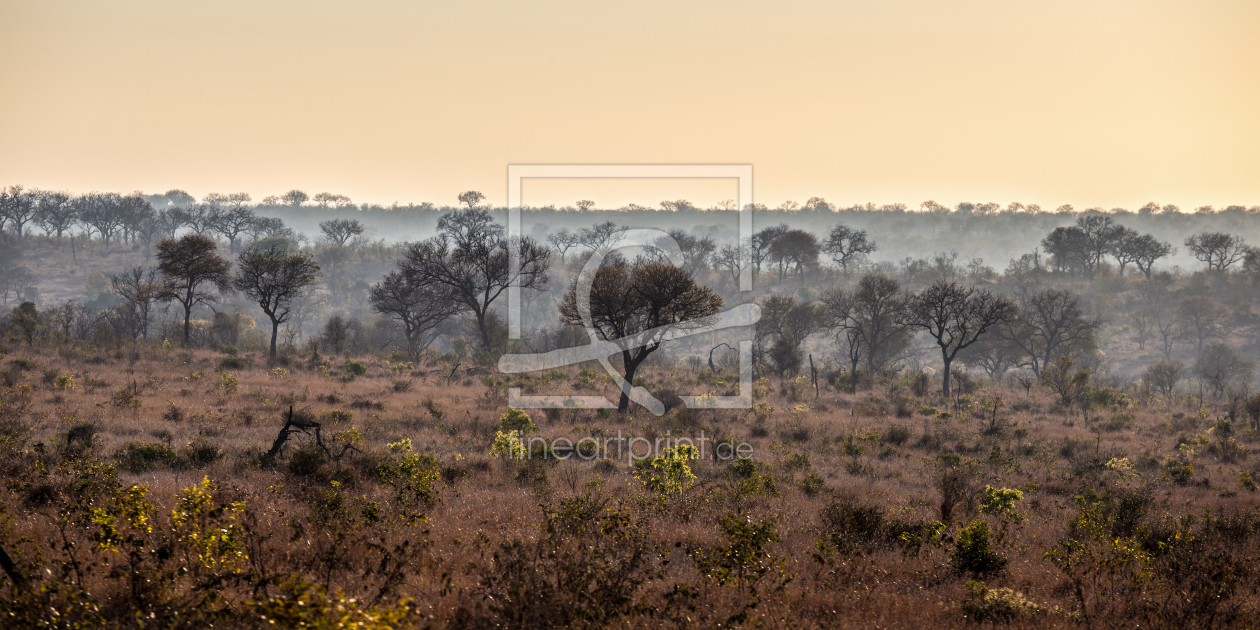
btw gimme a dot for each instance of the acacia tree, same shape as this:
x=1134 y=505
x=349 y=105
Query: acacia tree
x=846 y=245
x=796 y=250
x=141 y=287
x=99 y=211
x=785 y=323
x=189 y=265
x=1101 y=235
x=759 y=243
x=1202 y=318
x=418 y=307
x=471 y=198
x=563 y=241
x=601 y=235
x=294 y=198
x=1047 y=326
x=1143 y=250
x=1067 y=248
x=54 y=212
x=471 y=259
x=17 y=206
x=273 y=277
x=639 y=301
x=956 y=317
x=1218 y=249
x=341 y=230
x=232 y=222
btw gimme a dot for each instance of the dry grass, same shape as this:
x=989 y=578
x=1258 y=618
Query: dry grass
x=484 y=504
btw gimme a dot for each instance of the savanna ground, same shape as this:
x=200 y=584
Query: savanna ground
x=138 y=492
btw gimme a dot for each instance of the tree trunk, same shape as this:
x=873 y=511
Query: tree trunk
x=275 y=330
x=853 y=375
x=631 y=365
x=945 y=380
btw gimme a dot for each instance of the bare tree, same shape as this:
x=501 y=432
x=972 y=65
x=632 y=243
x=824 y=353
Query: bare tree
x=470 y=258
x=1219 y=250
x=847 y=245
x=784 y=325
x=1202 y=318
x=872 y=315
x=140 y=288
x=55 y=212
x=17 y=206
x=420 y=308
x=956 y=317
x=189 y=264
x=134 y=211
x=471 y=198
x=1164 y=376
x=232 y=222
x=585 y=205
x=601 y=235
x=1143 y=251
x=1101 y=236
x=759 y=243
x=341 y=230
x=325 y=200
x=268 y=227
x=1048 y=326
x=273 y=277
x=99 y=211
x=731 y=259
x=637 y=302
x=1220 y=367
x=563 y=241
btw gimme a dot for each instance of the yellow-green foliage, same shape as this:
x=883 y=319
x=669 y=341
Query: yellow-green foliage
x=302 y=604
x=507 y=444
x=212 y=532
x=668 y=474
x=227 y=383
x=517 y=420
x=1000 y=502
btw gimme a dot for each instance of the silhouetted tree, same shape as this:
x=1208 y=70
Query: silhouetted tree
x=141 y=288
x=1066 y=247
x=784 y=325
x=471 y=198
x=1202 y=318
x=99 y=211
x=1142 y=250
x=601 y=235
x=874 y=313
x=1101 y=235
x=1218 y=249
x=54 y=212
x=1048 y=326
x=471 y=258
x=1220 y=367
x=796 y=250
x=635 y=302
x=294 y=198
x=273 y=277
x=419 y=307
x=759 y=243
x=956 y=317
x=846 y=245
x=1164 y=376
x=232 y=222
x=563 y=241
x=17 y=207
x=341 y=230
x=189 y=265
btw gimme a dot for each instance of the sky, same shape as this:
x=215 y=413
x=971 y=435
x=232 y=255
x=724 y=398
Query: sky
x=1094 y=103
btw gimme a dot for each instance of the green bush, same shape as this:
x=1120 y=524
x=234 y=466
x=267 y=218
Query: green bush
x=201 y=453
x=973 y=553
x=517 y=420
x=354 y=369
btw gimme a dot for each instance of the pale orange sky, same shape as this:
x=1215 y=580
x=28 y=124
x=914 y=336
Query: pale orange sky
x=1092 y=103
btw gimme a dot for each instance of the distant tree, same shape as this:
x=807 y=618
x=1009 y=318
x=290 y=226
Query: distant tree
x=134 y=212
x=189 y=265
x=1164 y=376
x=563 y=241
x=419 y=307
x=17 y=207
x=956 y=317
x=817 y=204
x=231 y=200
x=99 y=211
x=232 y=222
x=325 y=200
x=1202 y=318
x=294 y=198
x=585 y=205
x=731 y=259
x=759 y=244
x=341 y=230
x=696 y=251
x=336 y=332
x=268 y=227
x=470 y=258
x=179 y=198
x=26 y=322
x=1220 y=367
x=140 y=287
x=54 y=212
x=1142 y=250
x=273 y=277
x=796 y=250
x=1219 y=250
x=873 y=315
x=169 y=221
x=636 y=301
x=784 y=325
x=847 y=245
x=1050 y=325
x=471 y=198
x=203 y=219
x=600 y=235
x=1067 y=247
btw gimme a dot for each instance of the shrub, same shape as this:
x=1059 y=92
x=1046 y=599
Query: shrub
x=173 y=413
x=65 y=381
x=201 y=453
x=234 y=363
x=517 y=420
x=279 y=372
x=228 y=383
x=1118 y=422
x=669 y=474
x=228 y=349
x=138 y=457
x=23 y=365
x=354 y=369
x=507 y=444
x=306 y=460
x=1002 y=605
x=897 y=435
x=812 y=484
x=1000 y=502
x=973 y=552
